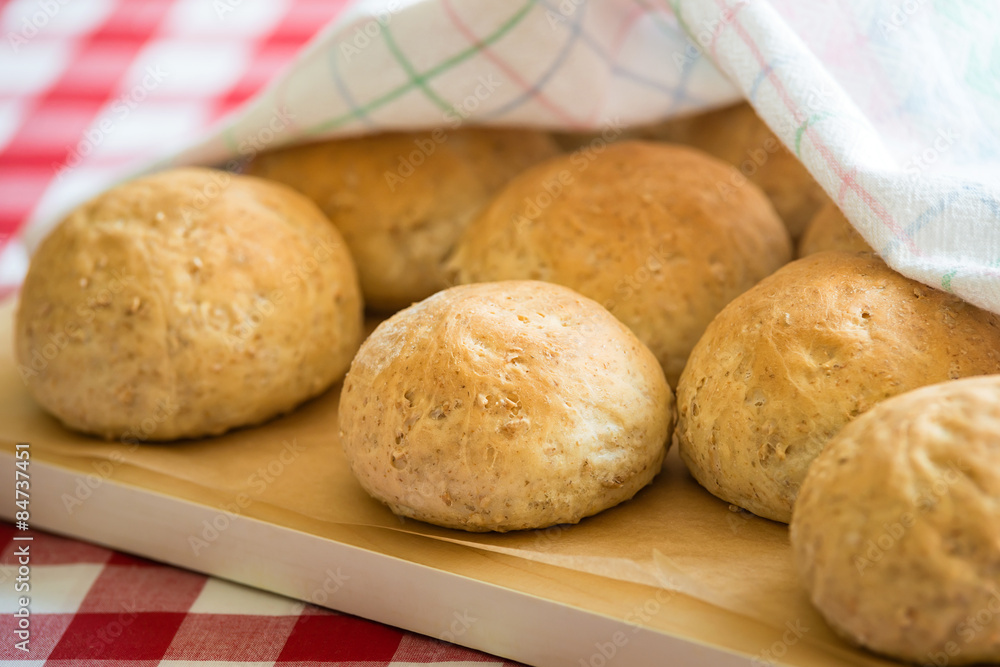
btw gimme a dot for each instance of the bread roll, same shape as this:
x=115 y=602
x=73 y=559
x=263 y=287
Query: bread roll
x=402 y=199
x=185 y=304
x=504 y=406
x=787 y=364
x=896 y=533
x=641 y=229
x=830 y=230
x=736 y=135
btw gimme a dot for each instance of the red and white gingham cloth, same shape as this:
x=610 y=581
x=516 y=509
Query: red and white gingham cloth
x=90 y=605
x=175 y=66
x=178 y=66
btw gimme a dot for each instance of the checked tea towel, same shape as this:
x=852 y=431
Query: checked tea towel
x=892 y=106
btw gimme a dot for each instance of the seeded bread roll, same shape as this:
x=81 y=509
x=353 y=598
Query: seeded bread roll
x=896 y=532
x=830 y=230
x=640 y=228
x=787 y=364
x=402 y=199
x=504 y=406
x=185 y=304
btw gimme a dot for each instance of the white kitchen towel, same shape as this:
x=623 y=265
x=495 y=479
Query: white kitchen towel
x=894 y=107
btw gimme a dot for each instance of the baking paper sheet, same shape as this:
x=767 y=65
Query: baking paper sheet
x=673 y=536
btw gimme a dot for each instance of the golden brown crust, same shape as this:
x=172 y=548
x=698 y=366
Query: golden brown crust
x=736 y=135
x=787 y=364
x=402 y=199
x=504 y=406
x=641 y=228
x=830 y=230
x=895 y=532
x=185 y=304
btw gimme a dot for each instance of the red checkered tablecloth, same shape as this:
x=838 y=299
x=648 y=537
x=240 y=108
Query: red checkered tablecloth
x=157 y=71
x=91 y=605
x=109 y=80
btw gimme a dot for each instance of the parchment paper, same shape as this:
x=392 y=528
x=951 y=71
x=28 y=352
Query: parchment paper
x=673 y=535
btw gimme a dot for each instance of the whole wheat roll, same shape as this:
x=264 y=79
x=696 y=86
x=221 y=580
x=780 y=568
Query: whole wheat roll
x=736 y=135
x=895 y=533
x=504 y=406
x=787 y=364
x=831 y=230
x=642 y=228
x=401 y=199
x=185 y=304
